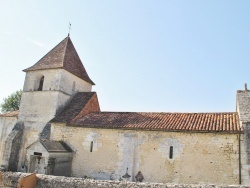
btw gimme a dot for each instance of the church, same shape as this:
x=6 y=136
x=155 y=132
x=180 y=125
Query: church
x=60 y=130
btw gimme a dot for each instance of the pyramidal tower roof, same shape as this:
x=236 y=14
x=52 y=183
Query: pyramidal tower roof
x=64 y=56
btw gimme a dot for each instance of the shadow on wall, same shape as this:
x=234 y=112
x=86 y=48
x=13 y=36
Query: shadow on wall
x=12 y=147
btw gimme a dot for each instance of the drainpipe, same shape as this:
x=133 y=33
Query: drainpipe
x=239 y=162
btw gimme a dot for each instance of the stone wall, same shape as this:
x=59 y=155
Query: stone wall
x=71 y=84
x=44 y=181
x=243 y=105
x=197 y=157
x=41 y=106
x=245 y=154
x=55 y=80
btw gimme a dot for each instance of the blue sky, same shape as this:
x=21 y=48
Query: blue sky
x=143 y=55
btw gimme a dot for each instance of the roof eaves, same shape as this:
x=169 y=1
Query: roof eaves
x=156 y=129
x=10 y=114
x=86 y=80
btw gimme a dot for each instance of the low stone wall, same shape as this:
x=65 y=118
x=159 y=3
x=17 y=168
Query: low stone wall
x=25 y=180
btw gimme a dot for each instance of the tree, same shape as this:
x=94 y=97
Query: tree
x=12 y=102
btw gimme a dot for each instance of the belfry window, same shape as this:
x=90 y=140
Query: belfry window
x=171 y=152
x=40 y=88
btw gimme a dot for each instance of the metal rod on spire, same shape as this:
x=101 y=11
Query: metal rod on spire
x=69 y=28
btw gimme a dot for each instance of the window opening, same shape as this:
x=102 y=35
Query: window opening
x=37 y=153
x=171 y=152
x=40 y=88
x=91 y=146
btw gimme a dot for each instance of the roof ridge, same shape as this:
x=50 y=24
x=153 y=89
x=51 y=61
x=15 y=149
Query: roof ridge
x=65 y=50
x=77 y=68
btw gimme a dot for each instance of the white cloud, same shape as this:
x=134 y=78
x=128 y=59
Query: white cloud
x=37 y=43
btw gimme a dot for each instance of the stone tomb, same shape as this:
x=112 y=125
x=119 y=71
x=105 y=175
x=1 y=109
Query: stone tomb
x=49 y=157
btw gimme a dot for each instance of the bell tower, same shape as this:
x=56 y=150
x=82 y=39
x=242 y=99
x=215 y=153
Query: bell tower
x=51 y=82
x=49 y=85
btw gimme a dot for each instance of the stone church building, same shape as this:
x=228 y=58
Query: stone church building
x=60 y=130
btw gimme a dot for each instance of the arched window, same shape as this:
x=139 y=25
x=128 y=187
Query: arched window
x=171 y=152
x=40 y=88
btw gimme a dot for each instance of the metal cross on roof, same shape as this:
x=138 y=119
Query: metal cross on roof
x=69 y=28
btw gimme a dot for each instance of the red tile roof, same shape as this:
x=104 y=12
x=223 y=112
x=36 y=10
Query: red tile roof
x=200 y=122
x=81 y=104
x=83 y=111
x=10 y=114
x=63 y=56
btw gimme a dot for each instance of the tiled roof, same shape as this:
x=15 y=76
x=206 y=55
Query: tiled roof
x=81 y=104
x=201 y=122
x=64 y=56
x=55 y=146
x=10 y=114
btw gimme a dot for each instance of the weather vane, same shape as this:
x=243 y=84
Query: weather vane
x=69 y=28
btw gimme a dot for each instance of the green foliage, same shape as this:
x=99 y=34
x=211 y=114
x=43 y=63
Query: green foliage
x=12 y=102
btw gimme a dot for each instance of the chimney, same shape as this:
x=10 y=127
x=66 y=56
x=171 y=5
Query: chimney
x=243 y=104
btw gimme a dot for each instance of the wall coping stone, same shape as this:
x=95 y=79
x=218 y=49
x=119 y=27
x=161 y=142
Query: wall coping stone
x=13 y=179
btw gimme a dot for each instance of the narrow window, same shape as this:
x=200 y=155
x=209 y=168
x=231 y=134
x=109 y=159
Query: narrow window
x=91 y=146
x=40 y=88
x=171 y=152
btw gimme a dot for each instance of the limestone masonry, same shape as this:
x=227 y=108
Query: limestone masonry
x=26 y=180
x=60 y=130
